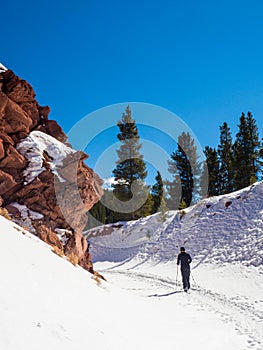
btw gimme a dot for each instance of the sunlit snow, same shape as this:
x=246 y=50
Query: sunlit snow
x=47 y=303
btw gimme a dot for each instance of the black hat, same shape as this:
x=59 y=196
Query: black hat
x=182 y=249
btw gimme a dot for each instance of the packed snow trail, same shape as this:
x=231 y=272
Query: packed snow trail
x=241 y=313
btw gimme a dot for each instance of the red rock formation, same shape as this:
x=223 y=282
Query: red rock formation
x=49 y=198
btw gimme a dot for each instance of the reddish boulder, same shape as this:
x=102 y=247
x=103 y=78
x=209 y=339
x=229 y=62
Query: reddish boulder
x=6 y=182
x=78 y=246
x=13 y=159
x=52 y=128
x=17 y=120
x=49 y=236
x=2 y=150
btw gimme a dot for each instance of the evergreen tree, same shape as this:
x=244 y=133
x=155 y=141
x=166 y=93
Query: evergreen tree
x=130 y=169
x=173 y=188
x=147 y=208
x=260 y=178
x=163 y=210
x=225 y=155
x=157 y=192
x=101 y=213
x=212 y=162
x=96 y=215
x=246 y=153
x=186 y=168
x=254 y=148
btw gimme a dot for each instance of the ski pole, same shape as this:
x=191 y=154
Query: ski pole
x=177 y=278
x=193 y=279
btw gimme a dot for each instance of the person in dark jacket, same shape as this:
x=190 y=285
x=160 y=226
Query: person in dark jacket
x=185 y=260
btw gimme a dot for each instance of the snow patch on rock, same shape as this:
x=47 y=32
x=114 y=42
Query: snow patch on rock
x=33 y=148
x=27 y=216
x=2 y=68
x=63 y=235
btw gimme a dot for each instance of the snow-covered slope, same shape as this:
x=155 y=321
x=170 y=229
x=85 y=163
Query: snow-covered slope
x=47 y=303
x=220 y=229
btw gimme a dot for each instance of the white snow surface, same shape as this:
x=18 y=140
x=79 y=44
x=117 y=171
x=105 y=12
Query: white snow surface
x=33 y=148
x=47 y=303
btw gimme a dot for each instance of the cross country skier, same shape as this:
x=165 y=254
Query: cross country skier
x=185 y=260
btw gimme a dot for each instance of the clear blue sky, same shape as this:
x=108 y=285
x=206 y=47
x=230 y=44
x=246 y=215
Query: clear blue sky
x=202 y=60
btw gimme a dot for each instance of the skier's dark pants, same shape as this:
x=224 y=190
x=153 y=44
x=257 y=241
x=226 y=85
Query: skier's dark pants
x=186 y=277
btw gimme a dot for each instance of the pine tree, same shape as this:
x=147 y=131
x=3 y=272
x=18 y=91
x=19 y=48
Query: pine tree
x=173 y=188
x=97 y=215
x=101 y=213
x=185 y=169
x=254 y=147
x=260 y=173
x=157 y=192
x=163 y=210
x=130 y=168
x=214 y=184
x=246 y=153
x=225 y=155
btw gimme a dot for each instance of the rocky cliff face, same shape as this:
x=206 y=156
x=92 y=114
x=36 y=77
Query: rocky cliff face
x=44 y=183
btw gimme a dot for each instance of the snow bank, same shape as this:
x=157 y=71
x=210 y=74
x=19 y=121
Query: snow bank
x=223 y=229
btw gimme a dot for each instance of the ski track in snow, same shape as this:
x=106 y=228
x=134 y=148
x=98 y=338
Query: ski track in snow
x=242 y=315
x=238 y=311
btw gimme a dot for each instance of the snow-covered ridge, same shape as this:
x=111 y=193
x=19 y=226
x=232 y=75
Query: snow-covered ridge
x=221 y=229
x=33 y=148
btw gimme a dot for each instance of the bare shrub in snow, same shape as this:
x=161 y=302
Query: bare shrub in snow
x=73 y=259
x=58 y=251
x=5 y=213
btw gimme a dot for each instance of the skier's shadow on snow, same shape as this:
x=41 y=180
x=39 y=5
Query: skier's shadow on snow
x=164 y=295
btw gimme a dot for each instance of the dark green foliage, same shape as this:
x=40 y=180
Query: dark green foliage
x=130 y=168
x=101 y=213
x=97 y=212
x=239 y=163
x=173 y=189
x=214 y=184
x=185 y=169
x=246 y=153
x=157 y=192
x=260 y=161
x=225 y=156
x=131 y=165
x=163 y=210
